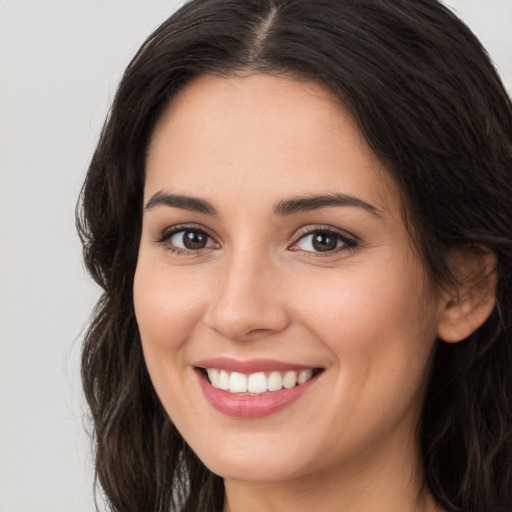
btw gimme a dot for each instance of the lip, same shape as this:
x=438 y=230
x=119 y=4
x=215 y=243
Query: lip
x=250 y=406
x=249 y=366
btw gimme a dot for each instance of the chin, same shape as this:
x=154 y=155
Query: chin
x=256 y=460
x=243 y=469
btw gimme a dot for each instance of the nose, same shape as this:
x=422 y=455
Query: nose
x=245 y=302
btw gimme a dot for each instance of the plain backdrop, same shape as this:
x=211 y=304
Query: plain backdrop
x=60 y=61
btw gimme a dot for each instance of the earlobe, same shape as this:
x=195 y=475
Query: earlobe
x=469 y=304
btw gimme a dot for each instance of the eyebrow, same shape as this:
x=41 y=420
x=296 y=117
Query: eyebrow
x=282 y=208
x=308 y=203
x=193 y=204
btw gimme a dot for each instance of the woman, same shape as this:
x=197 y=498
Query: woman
x=301 y=213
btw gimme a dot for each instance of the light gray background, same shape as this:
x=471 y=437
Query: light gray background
x=60 y=61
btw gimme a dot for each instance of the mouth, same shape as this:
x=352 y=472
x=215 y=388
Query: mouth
x=253 y=389
x=257 y=383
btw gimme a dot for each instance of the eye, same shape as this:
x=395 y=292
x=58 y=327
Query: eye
x=323 y=241
x=186 y=239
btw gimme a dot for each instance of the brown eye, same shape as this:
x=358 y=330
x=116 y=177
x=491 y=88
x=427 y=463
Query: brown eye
x=194 y=240
x=324 y=241
x=189 y=239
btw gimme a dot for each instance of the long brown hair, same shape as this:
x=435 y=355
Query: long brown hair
x=432 y=108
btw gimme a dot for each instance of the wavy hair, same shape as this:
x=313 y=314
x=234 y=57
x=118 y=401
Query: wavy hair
x=431 y=106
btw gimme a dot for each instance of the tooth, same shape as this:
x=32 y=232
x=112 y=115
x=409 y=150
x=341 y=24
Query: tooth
x=213 y=375
x=223 y=380
x=290 y=379
x=257 y=383
x=237 y=383
x=274 y=381
x=304 y=376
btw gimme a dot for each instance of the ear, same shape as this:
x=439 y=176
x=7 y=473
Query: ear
x=468 y=305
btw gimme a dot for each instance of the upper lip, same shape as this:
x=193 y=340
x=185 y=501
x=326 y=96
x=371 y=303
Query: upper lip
x=250 y=365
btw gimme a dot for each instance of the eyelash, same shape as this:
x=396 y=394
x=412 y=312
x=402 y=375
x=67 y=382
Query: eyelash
x=349 y=243
x=167 y=234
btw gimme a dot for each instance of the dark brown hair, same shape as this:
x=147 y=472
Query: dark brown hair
x=431 y=106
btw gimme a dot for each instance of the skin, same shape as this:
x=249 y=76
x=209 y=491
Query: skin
x=366 y=314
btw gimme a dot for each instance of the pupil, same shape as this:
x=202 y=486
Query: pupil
x=194 y=240
x=324 y=242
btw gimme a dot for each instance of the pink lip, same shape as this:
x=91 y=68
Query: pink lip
x=250 y=366
x=251 y=406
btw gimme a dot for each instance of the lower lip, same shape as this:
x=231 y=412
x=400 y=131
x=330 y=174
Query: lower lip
x=252 y=406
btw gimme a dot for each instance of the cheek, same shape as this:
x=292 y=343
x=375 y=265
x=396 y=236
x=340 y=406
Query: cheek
x=364 y=301
x=167 y=313
x=377 y=324
x=166 y=309
x=380 y=332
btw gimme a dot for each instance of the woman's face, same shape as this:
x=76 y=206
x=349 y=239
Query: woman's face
x=274 y=254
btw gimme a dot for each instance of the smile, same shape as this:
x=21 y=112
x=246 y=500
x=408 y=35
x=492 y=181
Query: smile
x=259 y=382
x=253 y=389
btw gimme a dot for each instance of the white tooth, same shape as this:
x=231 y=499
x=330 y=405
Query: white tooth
x=274 y=381
x=223 y=380
x=290 y=379
x=304 y=376
x=237 y=383
x=213 y=375
x=257 y=383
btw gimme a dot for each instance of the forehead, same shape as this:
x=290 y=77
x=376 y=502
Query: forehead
x=263 y=135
